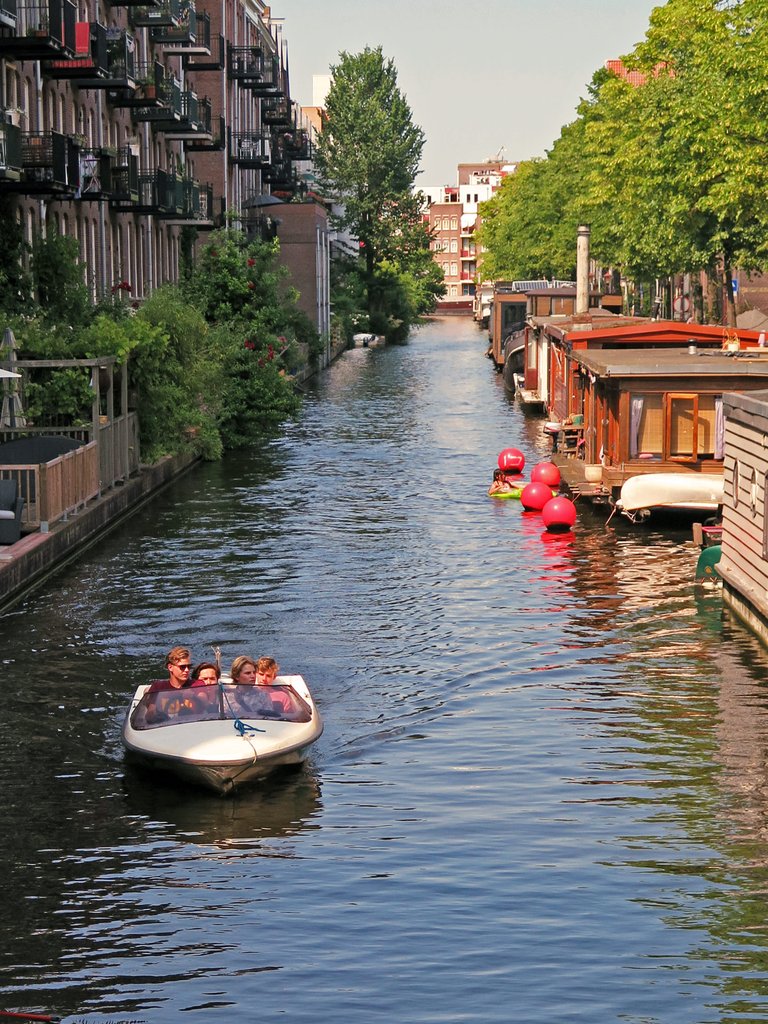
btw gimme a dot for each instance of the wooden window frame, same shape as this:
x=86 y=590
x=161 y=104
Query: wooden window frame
x=669 y=398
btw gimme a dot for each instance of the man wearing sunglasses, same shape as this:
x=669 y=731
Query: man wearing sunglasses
x=179 y=665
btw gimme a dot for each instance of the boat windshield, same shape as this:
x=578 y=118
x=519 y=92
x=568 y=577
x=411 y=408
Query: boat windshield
x=219 y=701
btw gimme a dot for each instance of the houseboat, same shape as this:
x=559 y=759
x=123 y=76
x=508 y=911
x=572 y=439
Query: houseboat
x=515 y=302
x=743 y=564
x=643 y=402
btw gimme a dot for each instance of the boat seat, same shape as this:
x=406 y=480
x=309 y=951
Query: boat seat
x=11 y=508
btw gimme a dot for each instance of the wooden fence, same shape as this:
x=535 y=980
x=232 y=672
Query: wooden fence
x=52 y=490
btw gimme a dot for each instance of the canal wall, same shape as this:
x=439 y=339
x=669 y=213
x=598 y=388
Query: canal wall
x=25 y=564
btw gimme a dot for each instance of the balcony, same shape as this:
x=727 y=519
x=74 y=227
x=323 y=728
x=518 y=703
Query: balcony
x=181 y=30
x=43 y=30
x=167 y=12
x=125 y=180
x=8 y=14
x=281 y=176
x=276 y=111
x=49 y=163
x=192 y=121
x=144 y=89
x=95 y=174
x=191 y=35
x=104 y=59
x=217 y=54
x=163 y=104
x=297 y=145
x=216 y=142
x=248 y=66
x=10 y=154
x=251 y=149
x=192 y=203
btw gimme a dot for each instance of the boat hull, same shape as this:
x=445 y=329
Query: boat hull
x=219 y=778
x=681 y=492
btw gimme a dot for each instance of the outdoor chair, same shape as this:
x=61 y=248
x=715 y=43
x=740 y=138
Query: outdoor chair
x=11 y=507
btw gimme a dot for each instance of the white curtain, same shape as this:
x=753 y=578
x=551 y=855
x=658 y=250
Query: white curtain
x=719 y=428
x=635 y=416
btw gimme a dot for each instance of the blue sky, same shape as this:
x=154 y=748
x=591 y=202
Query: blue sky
x=479 y=76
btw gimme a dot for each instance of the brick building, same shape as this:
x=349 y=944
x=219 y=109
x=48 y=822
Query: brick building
x=124 y=124
x=451 y=212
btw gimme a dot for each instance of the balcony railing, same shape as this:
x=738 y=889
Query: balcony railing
x=10 y=153
x=8 y=13
x=165 y=105
x=144 y=89
x=197 y=142
x=95 y=174
x=104 y=59
x=255 y=70
x=180 y=30
x=281 y=176
x=45 y=29
x=168 y=12
x=214 y=49
x=251 y=149
x=192 y=120
x=297 y=144
x=49 y=163
x=276 y=111
x=125 y=179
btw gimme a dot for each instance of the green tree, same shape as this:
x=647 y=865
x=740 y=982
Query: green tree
x=367 y=158
x=15 y=282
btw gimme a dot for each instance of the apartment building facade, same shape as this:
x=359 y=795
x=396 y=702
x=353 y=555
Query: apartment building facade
x=452 y=214
x=125 y=125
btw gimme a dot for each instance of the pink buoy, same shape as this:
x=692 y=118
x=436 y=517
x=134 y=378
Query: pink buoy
x=511 y=460
x=547 y=473
x=535 y=496
x=559 y=514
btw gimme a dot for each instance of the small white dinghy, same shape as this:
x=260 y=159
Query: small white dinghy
x=223 y=735
x=684 y=492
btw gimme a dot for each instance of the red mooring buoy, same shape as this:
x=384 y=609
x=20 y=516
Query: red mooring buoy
x=559 y=514
x=511 y=460
x=546 y=473
x=535 y=496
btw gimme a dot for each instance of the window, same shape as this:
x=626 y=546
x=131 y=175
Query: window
x=692 y=427
x=454 y=223
x=683 y=427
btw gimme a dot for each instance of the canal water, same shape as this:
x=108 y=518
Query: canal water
x=541 y=792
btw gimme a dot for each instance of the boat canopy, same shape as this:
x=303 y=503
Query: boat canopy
x=219 y=701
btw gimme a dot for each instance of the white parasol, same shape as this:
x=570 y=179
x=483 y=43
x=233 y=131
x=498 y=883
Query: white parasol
x=12 y=414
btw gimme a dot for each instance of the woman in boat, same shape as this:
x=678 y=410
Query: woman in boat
x=244 y=671
x=205 y=674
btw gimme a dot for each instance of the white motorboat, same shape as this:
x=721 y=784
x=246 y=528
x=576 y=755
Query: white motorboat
x=683 y=492
x=368 y=340
x=223 y=735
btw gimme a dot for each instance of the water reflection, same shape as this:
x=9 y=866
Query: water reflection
x=279 y=808
x=548 y=745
